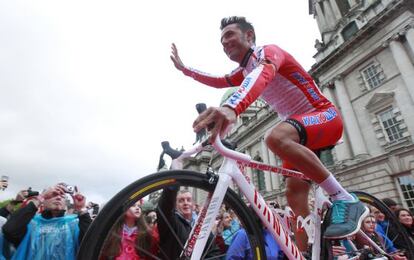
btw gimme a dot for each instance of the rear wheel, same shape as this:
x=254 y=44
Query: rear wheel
x=103 y=231
x=390 y=227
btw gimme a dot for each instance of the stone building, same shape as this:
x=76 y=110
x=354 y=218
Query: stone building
x=365 y=65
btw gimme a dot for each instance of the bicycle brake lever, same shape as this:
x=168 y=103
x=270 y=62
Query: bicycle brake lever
x=174 y=154
x=201 y=107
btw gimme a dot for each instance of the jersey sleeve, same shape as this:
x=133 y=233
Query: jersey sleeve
x=251 y=88
x=235 y=78
x=270 y=60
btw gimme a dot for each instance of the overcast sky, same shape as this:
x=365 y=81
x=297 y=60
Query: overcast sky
x=88 y=91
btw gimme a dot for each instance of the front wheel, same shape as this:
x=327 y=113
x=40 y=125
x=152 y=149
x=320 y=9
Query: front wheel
x=166 y=238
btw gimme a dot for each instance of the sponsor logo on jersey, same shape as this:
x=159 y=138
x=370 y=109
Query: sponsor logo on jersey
x=240 y=92
x=320 y=118
x=309 y=87
x=299 y=78
x=312 y=92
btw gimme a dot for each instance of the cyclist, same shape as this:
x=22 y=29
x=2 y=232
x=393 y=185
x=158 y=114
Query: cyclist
x=310 y=121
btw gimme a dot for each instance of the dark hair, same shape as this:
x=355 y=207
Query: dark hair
x=144 y=240
x=398 y=211
x=241 y=21
x=389 y=202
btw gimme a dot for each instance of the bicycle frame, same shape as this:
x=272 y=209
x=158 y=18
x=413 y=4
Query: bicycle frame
x=228 y=171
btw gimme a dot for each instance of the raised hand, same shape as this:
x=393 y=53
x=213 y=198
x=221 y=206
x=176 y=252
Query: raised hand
x=53 y=191
x=176 y=58
x=79 y=201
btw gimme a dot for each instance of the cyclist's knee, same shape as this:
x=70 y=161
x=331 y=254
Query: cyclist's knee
x=275 y=139
x=280 y=136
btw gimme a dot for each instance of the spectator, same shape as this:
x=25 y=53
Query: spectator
x=50 y=234
x=390 y=204
x=225 y=228
x=12 y=205
x=382 y=223
x=175 y=218
x=131 y=237
x=240 y=247
x=93 y=209
x=9 y=207
x=196 y=209
x=405 y=217
x=344 y=249
x=4 y=182
x=369 y=226
x=230 y=227
x=218 y=232
x=151 y=218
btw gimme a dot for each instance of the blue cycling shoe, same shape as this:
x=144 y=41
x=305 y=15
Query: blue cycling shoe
x=346 y=218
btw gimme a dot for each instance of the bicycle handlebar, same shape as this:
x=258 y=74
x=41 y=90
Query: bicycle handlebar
x=223 y=147
x=227 y=150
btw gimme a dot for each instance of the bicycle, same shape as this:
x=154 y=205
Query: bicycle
x=214 y=190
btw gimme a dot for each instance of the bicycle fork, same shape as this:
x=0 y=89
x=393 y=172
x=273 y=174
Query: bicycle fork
x=204 y=224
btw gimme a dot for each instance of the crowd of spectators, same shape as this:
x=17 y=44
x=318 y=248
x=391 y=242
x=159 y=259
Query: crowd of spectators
x=44 y=225
x=50 y=225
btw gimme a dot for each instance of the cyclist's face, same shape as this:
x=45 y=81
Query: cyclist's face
x=185 y=204
x=235 y=42
x=405 y=218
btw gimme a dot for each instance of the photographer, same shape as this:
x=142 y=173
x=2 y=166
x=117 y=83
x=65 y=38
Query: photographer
x=9 y=206
x=4 y=182
x=50 y=234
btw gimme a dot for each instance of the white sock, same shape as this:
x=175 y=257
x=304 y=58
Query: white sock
x=334 y=189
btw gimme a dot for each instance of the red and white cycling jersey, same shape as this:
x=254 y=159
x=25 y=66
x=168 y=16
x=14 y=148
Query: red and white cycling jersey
x=272 y=73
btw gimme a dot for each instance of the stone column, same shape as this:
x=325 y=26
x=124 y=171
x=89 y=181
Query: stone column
x=335 y=9
x=409 y=35
x=329 y=14
x=342 y=150
x=404 y=64
x=320 y=17
x=350 y=120
x=265 y=153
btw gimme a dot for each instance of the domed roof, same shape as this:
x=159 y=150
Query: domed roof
x=227 y=94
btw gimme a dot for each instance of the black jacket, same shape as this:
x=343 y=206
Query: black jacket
x=170 y=248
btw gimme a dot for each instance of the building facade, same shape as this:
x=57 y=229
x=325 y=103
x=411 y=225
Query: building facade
x=365 y=65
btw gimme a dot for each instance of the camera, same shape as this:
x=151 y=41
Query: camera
x=31 y=193
x=95 y=208
x=68 y=188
